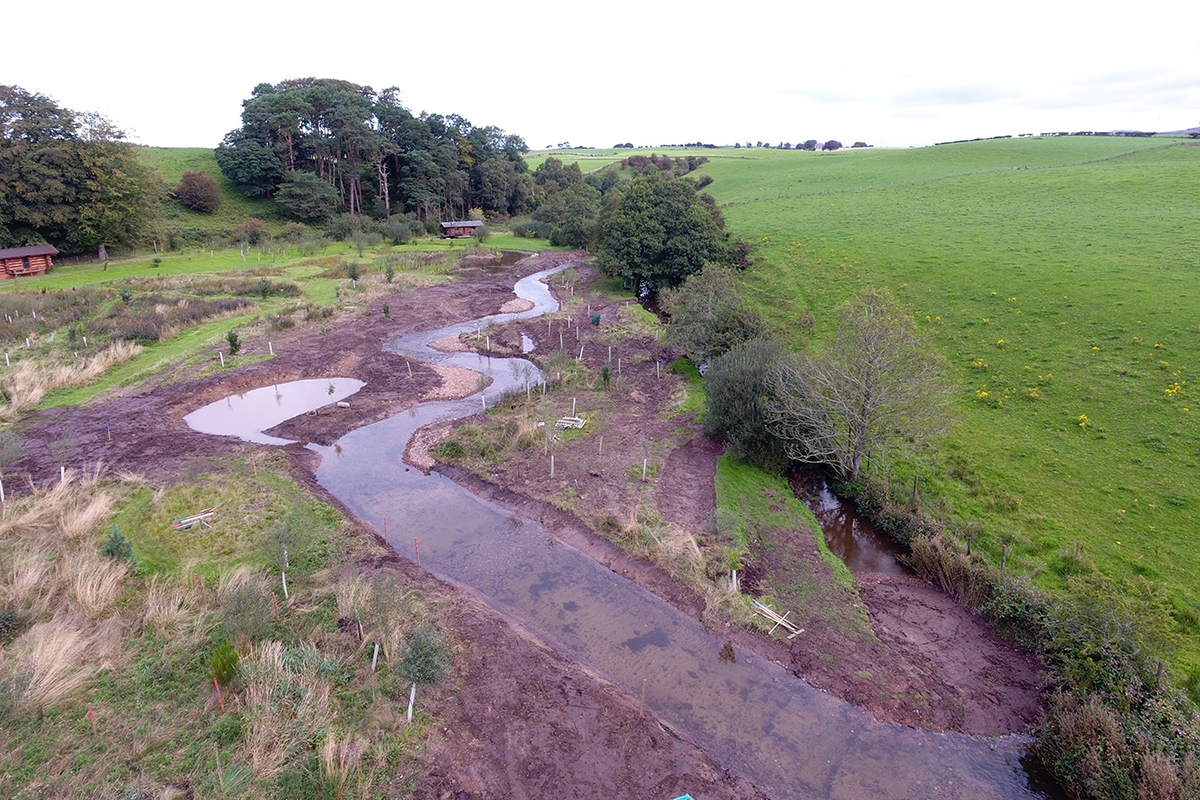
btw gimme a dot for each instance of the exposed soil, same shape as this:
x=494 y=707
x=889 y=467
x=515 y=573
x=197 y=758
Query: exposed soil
x=529 y=722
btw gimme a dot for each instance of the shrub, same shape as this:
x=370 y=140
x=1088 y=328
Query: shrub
x=117 y=547
x=739 y=388
x=222 y=663
x=424 y=657
x=353 y=272
x=389 y=273
x=12 y=625
x=531 y=229
x=246 y=614
x=198 y=192
x=235 y=342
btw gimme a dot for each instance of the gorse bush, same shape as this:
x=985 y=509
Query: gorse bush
x=739 y=390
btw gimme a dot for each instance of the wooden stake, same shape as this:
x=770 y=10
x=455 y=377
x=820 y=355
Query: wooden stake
x=643 y=703
x=109 y=429
x=601 y=447
x=418 y=546
x=385 y=534
x=409 y=368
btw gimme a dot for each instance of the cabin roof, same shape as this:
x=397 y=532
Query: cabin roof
x=462 y=224
x=33 y=250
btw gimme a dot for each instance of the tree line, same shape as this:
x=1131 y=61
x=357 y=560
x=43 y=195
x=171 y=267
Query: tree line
x=322 y=146
x=68 y=178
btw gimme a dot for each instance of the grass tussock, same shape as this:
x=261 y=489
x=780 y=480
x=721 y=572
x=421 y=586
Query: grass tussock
x=287 y=706
x=24 y=386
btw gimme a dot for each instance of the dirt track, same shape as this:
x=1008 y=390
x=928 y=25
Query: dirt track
x=528 y=722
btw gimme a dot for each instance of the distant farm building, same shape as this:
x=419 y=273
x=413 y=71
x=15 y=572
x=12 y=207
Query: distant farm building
x=459 y=230
x=19 y=261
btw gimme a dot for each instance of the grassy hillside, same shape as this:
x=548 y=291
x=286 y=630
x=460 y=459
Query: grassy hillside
x=1059 y=277
x=235 y=208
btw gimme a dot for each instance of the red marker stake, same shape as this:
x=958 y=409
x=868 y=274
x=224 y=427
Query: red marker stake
x=275 y=600
x=418 y=545
x=219 y=700
x=196 y=575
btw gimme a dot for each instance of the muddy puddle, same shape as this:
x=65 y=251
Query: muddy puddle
x=751 y=715
x=247 y=415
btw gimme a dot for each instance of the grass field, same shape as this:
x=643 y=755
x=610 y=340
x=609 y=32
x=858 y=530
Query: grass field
x=235 y=208
x=1058 y=275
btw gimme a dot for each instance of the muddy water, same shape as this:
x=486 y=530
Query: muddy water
x=247 y=415
x=850 y=537
x=752 y=716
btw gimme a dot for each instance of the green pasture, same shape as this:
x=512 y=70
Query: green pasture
x=1065 y=296
x=235 y=208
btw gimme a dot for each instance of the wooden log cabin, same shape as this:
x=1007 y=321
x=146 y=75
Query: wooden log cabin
x=19 y=261
x=459 y=230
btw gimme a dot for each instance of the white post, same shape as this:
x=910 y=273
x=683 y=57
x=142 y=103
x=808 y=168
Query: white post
x=375 y=657
x=658 y=369
x=561 y=346
x=618 y=366
x=7 y=363
x=85 y=341
x=285 y=591
x=1 y=490
x=551 y=466
x=733 y=580
x=270 y=348
x=222 y=355
x=643 y=470
x=610 y=353
x=62 y=474
x=572 y=406
x=581 y=351
x=483 y=401
x=412 y=698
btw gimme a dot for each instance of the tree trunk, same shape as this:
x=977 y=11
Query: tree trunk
x=103 y=253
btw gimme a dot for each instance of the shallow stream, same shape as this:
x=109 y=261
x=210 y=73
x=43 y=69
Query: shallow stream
x=752 y=716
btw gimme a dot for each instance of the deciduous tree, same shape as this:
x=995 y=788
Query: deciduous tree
x=875 y=390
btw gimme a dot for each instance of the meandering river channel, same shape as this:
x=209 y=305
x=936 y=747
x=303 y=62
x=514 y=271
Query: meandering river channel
x=753 y=717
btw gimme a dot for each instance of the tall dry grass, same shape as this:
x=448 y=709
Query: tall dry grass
x=340 y=758
x=287 y=707
x=50 y=664
x=29 y=381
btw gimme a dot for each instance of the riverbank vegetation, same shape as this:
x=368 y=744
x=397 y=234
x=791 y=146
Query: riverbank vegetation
x=113 y=628
x=1040 y=342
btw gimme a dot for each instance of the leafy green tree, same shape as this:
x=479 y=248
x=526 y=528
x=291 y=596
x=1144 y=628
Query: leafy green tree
x=832 y=144
x=252 y=167
x=655 y=232
x=875 y=390
x=68 y=178
x=306 y=198
x=739 y=389
x=707 y=314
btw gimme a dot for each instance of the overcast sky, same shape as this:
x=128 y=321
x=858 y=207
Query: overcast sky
x=895 y=73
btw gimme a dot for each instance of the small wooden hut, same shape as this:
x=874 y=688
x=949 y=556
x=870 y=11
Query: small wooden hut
x=460 y=230
x=18 y=261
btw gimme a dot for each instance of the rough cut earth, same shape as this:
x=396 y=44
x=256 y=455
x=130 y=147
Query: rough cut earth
x=529 y=722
